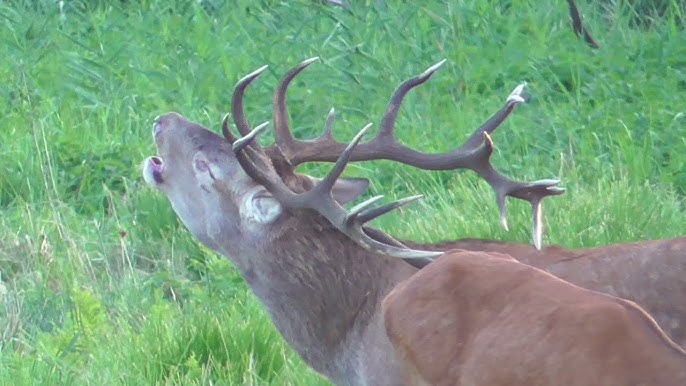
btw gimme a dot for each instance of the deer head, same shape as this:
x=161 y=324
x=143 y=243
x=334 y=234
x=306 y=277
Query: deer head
x=320 y=271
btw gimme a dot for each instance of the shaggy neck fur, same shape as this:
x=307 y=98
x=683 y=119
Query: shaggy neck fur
x=322 y=291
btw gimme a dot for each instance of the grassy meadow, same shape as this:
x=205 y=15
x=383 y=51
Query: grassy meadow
x=101 y=284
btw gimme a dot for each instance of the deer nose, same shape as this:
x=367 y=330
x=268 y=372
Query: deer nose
x=162 y=123
x=156 y=126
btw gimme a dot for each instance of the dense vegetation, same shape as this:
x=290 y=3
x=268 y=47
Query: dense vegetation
x=101 y=284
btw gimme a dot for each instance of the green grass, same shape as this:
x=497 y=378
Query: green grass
x=101 y=284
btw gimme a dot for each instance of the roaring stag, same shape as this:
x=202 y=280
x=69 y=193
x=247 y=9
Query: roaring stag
x=319 y=270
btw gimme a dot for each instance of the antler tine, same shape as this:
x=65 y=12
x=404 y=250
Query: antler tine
x=247 y=139
x=247 y=157
x=533 y=192
x=328 y=126
x=387 y=126
x=477 y=138
x=330 y=179
x=283 y=133
x=226 y=131
x=361 y=207
x=371 y=214
x=237 y=110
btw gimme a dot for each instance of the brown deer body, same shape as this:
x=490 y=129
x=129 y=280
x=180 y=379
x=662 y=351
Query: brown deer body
x=650 y=273
x=475 y=318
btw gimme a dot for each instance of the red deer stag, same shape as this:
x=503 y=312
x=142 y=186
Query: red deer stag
x=476 y=318
x=320 y=272
x=650 y=273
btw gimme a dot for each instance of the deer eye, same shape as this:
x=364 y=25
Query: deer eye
x=204 y=167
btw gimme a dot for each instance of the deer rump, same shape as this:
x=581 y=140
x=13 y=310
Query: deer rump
x=474 y=318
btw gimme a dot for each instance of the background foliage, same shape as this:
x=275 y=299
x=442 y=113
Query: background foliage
x=101 y=284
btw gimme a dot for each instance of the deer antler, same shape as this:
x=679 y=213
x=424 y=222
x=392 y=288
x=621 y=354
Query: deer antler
x=474 y=154
x=578 y=25
x=320 y=198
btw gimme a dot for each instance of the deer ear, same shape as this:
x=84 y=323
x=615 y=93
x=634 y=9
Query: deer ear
x=344 y=189
x=261 y=206
x=348 y=189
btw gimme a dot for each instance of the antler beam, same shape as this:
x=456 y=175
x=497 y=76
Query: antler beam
x=319 y=198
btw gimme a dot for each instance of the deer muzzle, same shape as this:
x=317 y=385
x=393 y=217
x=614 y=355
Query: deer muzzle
x=153 y=168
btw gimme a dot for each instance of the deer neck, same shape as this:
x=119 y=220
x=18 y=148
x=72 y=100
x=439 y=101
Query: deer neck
x=322 y=291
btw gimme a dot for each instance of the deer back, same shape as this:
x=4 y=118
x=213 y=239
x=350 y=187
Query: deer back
x=651 y=273
x=486 y=319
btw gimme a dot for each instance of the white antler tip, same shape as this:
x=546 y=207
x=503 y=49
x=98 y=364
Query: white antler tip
x=516 y=94
x=547 y=182
x=309 y=61
x=243 y=142
x=359 y=136
x=257 y=72
x=503 y=223
x=253 y=74
x=357 y=209
x=434 y=68
x=407 y=200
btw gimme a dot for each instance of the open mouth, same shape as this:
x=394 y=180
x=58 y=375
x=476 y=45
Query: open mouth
x=152 y=170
